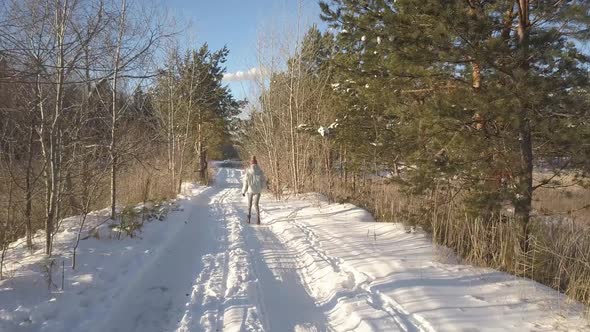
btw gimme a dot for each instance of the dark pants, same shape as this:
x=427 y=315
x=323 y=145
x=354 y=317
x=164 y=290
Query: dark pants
x=253 y=198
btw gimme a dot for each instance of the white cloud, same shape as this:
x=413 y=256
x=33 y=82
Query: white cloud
x=249 y=75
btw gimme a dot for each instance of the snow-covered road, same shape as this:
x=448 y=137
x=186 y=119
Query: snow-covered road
x=217 y=273
x=310 y=266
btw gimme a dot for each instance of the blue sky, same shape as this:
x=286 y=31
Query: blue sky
x=236 y=23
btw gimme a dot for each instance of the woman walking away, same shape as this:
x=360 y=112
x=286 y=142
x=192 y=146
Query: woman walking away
x=254 y=182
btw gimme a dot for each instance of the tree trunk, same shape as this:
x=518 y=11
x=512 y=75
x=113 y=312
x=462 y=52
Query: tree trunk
x=476 y=75
x=292 y=137
x=523 y=201
x=51 y=150
x=113 y=145
x=170 y=142
x=112 y=151
x=28 y=186
x=201 y=153
x=525 y=183
x=188 y=122
x=203 y=161
x=113 y=187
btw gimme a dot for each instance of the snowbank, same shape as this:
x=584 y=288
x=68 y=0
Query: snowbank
x=32 y=298
x=370 y=276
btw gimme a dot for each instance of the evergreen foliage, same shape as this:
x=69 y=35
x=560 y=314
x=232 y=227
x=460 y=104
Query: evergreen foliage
x=196 y=108
x=466 y=90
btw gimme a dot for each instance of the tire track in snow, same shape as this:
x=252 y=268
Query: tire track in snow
x=208 y=291
x=204 y=295
x=265 y=324
x=286 y=303
x=221 y=218
x=406 y=321
x=240 y=313
x=222 y=293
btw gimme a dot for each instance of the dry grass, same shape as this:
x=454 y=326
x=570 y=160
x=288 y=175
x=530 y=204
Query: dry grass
x=559 y=253
x=138 y=184
x=570 y=203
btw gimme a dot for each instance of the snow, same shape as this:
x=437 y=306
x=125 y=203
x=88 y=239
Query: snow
x=310 y=266
x=376 y=276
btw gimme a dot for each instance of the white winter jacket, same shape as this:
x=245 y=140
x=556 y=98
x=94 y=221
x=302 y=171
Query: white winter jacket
x=254 y=180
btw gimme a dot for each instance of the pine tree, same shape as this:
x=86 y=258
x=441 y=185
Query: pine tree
x=195 y=107
x=478 y=91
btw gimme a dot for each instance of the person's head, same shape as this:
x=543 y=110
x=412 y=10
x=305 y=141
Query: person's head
x=253 y=161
